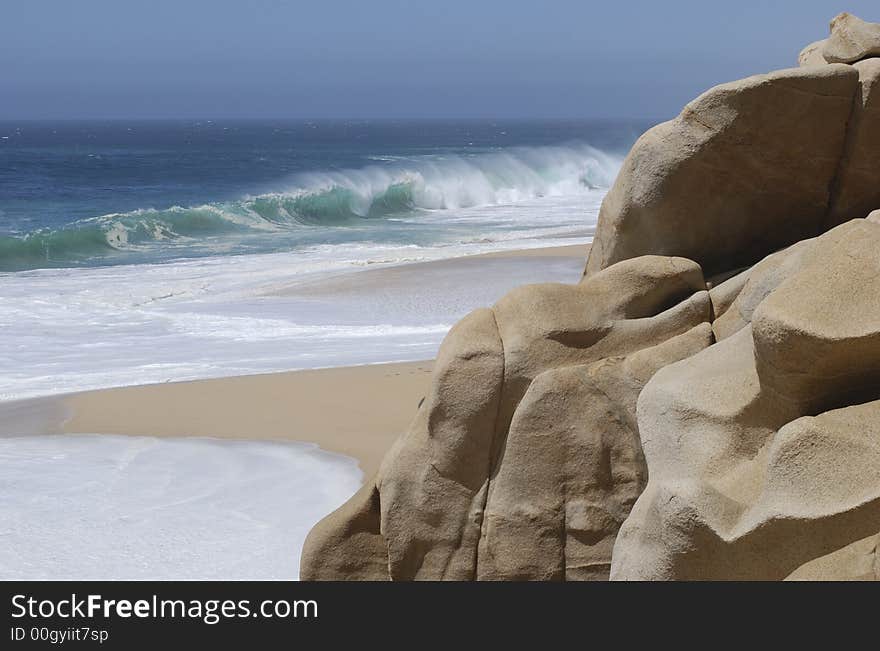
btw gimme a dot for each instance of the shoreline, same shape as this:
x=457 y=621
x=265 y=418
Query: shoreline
x=329 y=407
x=403 y=274
x=355 y=410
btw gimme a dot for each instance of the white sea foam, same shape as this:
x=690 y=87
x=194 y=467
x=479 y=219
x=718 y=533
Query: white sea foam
x=113 y=507
x=74 y=329
x=452 y=182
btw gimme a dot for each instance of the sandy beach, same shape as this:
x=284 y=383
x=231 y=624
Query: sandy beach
x=357 y=411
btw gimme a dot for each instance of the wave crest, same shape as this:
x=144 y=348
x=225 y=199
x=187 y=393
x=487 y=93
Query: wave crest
x=329 y=199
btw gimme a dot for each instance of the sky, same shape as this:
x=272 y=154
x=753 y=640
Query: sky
x=66 y=59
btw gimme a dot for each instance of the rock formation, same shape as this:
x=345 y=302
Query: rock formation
x=812 y=54
x=754 y=159
x=448 y=499
x=764 y=449
x=704 y=404
x=851 y=40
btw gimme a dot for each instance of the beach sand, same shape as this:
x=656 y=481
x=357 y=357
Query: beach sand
x=357 y=411
x=421 y=275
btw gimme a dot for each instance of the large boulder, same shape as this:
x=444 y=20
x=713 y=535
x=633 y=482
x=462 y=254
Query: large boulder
x=763 y=449
x=745 y=169
x=852 y=39
x=812 y=54
x=746 y=291
x=422 y=516
x=348 y=543
x=419 y=513
x=572 y=467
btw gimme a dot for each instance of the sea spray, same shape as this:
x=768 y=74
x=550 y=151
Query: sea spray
x=316 y=202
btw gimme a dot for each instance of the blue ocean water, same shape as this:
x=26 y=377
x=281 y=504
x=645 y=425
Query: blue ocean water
x=139 y=252
x=76 y=194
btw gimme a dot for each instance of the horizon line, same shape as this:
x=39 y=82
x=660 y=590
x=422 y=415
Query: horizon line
x=329 y=119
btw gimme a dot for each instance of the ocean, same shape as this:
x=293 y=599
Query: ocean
x=142 y=252
x=135 y=252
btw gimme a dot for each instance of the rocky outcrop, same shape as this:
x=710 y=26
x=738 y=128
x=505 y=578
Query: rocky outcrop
x=745 y=169
x=852 y=39
x=749 y=288
x=446 y=489
x=653 y=422
x=569 y=476
x=763 y=451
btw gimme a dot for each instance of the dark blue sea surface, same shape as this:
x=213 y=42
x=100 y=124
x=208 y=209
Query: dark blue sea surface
x=98 y=193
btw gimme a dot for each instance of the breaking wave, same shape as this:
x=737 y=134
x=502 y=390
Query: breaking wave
x=326 y=200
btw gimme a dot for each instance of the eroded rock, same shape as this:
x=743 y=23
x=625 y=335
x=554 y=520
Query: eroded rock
x=744 y=170
x=431 y=492
x=572 y=467
x=812 y=54
x=852 y=39
x=762 y=450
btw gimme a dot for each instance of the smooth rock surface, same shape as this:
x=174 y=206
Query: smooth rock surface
x=812 y=54
x=852 y=39
x=423 y=516
x=745 y=169
x=573 y=464
x=763 y=449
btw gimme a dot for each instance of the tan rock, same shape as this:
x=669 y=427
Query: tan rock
x=724 y=294
x=812 y=54
x=432 y=483
x=858 y=561
x=744 y=482
x=744 y=170
x=817 y=336
x=572 y=467
x=420 y=516
x=768 y=274
x=856 y=190
x=647 y=423
x=852 y=39
x=551 y=325
x=435 y=483
x=347 y=543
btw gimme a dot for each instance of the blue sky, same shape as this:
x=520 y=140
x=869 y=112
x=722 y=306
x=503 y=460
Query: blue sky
x=390 y=58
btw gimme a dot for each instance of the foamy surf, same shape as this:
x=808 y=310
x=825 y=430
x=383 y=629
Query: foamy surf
x=72 y=330
x=118 y=507
x=182 y=293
